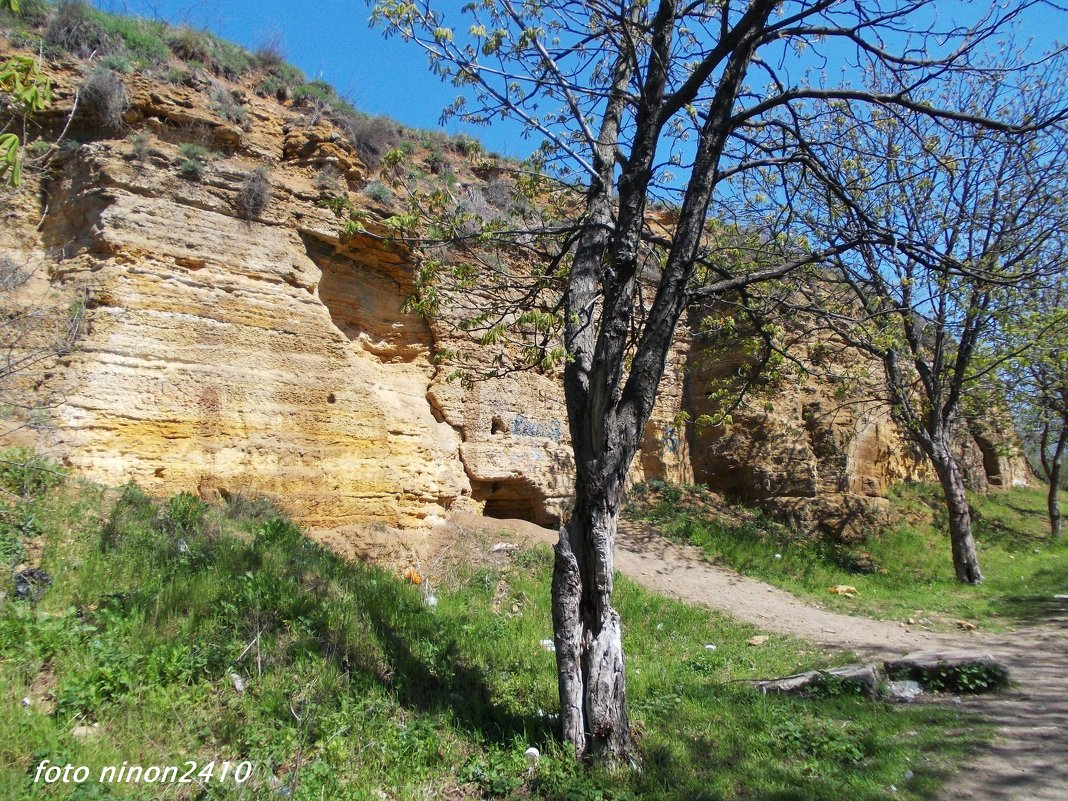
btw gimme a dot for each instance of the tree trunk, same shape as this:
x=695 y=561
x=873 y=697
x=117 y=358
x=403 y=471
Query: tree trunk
x=1054 y=504
x=965 y=557
x=1053 y=501
x=1054 y=472
x=589 y=647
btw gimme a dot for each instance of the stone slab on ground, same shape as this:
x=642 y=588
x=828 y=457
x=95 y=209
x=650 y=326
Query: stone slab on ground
x=862 y=679
x=951 y=671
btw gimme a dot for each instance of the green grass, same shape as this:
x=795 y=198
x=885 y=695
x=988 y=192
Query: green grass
x=356 y=686
x=913 y=573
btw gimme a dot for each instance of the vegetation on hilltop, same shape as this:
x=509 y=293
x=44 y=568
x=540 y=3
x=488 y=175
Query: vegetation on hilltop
x=116 y=45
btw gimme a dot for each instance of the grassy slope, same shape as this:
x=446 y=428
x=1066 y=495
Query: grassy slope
x=355 y=684
x=1024 y=569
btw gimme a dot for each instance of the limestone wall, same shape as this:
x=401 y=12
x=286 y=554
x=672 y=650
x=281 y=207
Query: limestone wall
x=273 y=355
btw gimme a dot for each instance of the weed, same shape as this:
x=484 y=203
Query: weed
x=272 y=52
x=466 y=146
x=200 y=47
x=140 y=147
x=24 y=473
x=227 y=106
x=371 y=137
x=436 y=162
x=104 y=97
x=281 y=82
x=378 y=192
x=194 y=161
x=254 y=194
x=327 y=178
x=183 y=515
x=75 y=28
x=117 y=62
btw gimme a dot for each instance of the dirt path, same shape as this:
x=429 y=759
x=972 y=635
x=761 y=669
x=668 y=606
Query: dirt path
x=1028 y=760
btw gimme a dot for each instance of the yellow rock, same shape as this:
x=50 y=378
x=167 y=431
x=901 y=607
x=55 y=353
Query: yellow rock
x=843 y=589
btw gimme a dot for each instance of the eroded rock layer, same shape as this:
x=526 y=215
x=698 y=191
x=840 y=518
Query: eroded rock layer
x=267 y=351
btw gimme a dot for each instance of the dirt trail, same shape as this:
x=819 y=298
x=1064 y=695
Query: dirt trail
x=1028 y=760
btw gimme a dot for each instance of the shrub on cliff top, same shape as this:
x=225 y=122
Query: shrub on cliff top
x=78 y=29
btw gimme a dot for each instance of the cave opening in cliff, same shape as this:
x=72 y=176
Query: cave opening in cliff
x=991 y=461
x=514 y=499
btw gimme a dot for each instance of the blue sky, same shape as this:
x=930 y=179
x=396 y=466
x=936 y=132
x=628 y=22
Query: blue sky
x=330 y=39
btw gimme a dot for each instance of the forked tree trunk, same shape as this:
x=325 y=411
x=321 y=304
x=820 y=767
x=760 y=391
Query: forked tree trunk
x=588 y=636
x=965 y=556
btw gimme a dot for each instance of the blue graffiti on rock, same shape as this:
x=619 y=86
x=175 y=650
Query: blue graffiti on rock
x=523 y=426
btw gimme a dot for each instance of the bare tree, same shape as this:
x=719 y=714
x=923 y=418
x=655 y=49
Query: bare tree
x=637 y=101
x=962 y=222
x=1037 y=378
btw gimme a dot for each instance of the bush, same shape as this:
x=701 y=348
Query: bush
x=466 y=145
x=103 y=97
x=76 y=29
x=140 y=150
x=25 y=473
x=370 y=137
x=328 y=178
x=254 y=194
x=378 y=192
x=226 y=106
x=11 y=273
x=272 y=52
x=195 y=159
x=436 y=162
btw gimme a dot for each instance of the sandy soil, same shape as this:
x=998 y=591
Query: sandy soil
x=1028 y=760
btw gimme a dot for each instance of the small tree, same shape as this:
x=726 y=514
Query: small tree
x=962 y=223
x=1038 y=380
x=637 y=101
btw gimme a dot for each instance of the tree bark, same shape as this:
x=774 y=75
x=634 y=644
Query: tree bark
x=588 y=636
x=965 y=556
x=1053 y=502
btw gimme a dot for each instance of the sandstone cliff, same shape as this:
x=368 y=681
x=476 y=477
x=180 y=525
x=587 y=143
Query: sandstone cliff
x=226 y=352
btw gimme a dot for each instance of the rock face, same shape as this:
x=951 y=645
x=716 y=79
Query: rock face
x=274 y=355
x=821 y=451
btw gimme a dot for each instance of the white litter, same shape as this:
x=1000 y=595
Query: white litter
x=503 y=546
x=778 y=556
x=548 y=645
x=709 y=646
x=533 y=755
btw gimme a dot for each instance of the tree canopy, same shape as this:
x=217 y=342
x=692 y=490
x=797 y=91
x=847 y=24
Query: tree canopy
x=680 y=101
